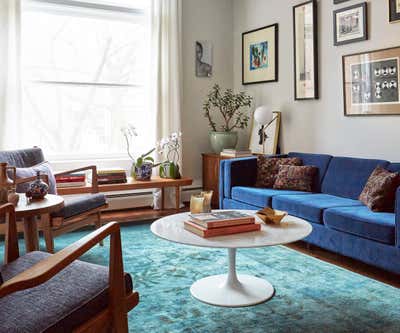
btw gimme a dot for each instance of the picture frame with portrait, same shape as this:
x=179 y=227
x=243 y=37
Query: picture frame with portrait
x=394 y=11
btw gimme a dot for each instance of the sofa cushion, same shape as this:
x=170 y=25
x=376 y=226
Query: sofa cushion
x=296 y=178
x=321 y=161
x=260 y=197
x=268 y=169
x=310 y=206
x=346 y=177
x=59 y=305
x=360 y=221
x=380 y=191
x=81 y=204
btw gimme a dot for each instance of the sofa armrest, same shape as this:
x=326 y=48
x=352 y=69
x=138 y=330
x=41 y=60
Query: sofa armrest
x=397 y=217
x=236 y=172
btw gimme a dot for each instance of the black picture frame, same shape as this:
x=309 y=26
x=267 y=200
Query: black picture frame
x=315 y=51
x=336 y=2
x=274 y=26
x=364 y=7
x=394 y=13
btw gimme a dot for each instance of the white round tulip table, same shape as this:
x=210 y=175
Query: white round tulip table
x=233 y=290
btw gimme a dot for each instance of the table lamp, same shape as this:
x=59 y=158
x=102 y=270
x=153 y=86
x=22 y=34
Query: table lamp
x=264 y=116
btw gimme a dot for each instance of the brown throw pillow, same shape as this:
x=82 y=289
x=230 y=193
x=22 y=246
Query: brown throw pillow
x=297 y=178
x=268 y=168
x=379 y=192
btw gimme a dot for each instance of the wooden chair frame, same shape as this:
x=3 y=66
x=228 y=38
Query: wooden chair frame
x=115 y=315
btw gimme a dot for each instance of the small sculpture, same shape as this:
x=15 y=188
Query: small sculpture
x=37 y=189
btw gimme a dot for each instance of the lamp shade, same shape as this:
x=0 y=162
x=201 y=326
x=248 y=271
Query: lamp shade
x=263 y=115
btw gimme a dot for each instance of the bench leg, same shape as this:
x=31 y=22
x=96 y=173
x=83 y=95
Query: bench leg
x=177 y=198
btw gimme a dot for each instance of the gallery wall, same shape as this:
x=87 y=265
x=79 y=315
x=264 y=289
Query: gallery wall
x=319 y=125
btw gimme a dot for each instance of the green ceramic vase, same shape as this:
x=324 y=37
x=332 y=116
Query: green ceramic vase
x=223 y=140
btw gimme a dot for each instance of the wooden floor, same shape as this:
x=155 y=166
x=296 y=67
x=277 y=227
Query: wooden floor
x=148 y=214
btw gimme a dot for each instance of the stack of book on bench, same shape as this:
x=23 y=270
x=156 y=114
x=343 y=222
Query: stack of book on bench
x=111 y=176
x=220 y=223
x=71 y=180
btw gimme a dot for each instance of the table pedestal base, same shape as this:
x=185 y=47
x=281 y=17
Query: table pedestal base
x=231 y=290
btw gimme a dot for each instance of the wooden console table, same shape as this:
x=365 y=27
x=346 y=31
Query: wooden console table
x=155 y=182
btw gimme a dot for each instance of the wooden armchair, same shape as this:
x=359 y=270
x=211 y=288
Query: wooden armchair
x=53 y=293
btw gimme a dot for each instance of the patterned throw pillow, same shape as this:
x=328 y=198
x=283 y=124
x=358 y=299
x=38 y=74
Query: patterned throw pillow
x=296 y=178
x=268 y=168
x=380 y=191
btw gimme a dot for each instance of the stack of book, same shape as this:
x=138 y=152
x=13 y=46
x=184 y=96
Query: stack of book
x=71 y=180
x=236 y=153
x=111 y=176
x=220 y=224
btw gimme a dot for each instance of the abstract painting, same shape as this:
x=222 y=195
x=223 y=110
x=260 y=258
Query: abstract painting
x=258 y=56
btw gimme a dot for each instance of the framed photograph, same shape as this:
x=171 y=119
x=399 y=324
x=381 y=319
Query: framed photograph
x=371 y=83
x=260 y=55
x=204 y=58
x=305 y=40
x=265 y=143
x=339 y=1
x=350 y=24
x=394 y=11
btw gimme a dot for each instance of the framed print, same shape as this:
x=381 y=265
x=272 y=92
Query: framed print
x=371 y=83
x=339 y=1
x=260 y=55
x=267 y=143
x=350 y=24
x=394 y=11
x=305 y=40
x=204 y=60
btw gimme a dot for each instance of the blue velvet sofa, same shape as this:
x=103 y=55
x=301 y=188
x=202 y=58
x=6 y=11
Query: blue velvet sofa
x=340 y=222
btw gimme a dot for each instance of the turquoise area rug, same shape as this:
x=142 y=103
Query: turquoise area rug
x=311 y=295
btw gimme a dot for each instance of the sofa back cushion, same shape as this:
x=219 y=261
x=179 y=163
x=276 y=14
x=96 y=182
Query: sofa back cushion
x=321 y=161
x=347 y=176
x=23 y=158
x=394 y=167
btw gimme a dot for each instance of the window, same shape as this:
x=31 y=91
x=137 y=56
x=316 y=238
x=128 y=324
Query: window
x=84 y=76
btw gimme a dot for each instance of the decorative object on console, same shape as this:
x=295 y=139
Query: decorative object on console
x=260 y=55
x=233 y=107
x=201 y=203
x=371 y=82
x=380 y=191
x=394 y=11
x=269 y=215
x=296 y=178
x=350 y=24
x=305 y=39
x=7 y=185
x=264 y=137
x=204 y=60
x=169 y=147
x=268 y=169
x=38 y=189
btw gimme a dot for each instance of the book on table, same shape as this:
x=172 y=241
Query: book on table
x=236 y=153
x=221 y=231
x=71 y=180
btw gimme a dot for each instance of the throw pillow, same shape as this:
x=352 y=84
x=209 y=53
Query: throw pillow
x=296 y=178
x=44 y=169
x=379 y=192
x=268 y=168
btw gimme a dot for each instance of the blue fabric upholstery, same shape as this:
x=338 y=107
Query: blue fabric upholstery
x=310 y=206
x=346 y=177
x=397 y=213
x=360 y=221
x=79 y=205
x=394 y=167
x=260 y=197
x=234 y=204
x=321 y=161
x=23 y=158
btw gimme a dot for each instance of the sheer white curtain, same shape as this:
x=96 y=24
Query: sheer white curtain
x=10 y=81
x=166 y=71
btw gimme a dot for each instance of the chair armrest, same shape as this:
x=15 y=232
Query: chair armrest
x=93 y=168
x=11 y=237
x=397 y=217
x=236 y=172
x=31 y=179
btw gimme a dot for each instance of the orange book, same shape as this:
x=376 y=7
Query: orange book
x=206 y=233
x=223 y=223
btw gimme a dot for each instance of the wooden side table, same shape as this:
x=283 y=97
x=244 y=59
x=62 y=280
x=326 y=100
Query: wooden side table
x=29 y=211
x=211 y=163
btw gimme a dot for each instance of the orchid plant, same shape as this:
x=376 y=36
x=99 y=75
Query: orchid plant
x=169 y=147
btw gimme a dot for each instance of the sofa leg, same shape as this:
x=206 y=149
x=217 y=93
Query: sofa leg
x=47 y=233
x=98 y=225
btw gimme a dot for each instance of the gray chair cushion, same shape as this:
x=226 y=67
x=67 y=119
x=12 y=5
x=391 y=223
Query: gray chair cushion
x=23 y=158
x=61 y=304
x=79 y=205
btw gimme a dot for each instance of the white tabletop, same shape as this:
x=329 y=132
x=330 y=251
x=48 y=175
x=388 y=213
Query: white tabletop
x=290 y=230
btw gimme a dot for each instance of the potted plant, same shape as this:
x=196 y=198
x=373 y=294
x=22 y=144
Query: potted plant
x=169 y=148
x=233 y=110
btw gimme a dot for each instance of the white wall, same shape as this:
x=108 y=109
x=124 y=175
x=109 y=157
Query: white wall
x=203 y=20
x=320 y=126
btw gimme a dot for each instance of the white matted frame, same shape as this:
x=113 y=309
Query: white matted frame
x=271 y=143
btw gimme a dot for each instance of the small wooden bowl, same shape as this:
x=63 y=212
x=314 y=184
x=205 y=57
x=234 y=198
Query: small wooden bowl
x=271 y=216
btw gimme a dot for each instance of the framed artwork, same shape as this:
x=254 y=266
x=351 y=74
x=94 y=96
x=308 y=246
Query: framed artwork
x=267 y=143
x=204 y=58
x=371 y=83
x=350 y=24
x=339 y=1
x=260 y=55
x=305 y=40
x=394 y=11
